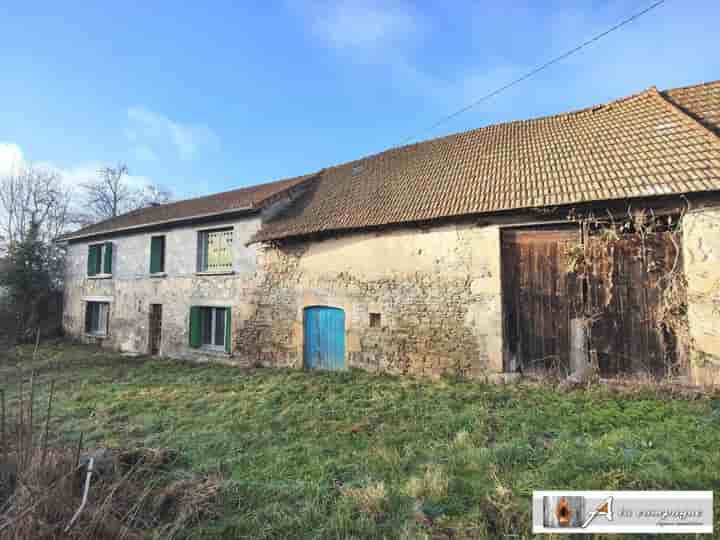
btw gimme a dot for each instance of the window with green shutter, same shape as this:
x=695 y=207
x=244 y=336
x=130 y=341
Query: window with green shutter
x=157 y=254
x=93 y=260
x=228 y=331
x=195 y=327
x=107 y=258
x=215 y=251
x=210 y=328
x=100 y=257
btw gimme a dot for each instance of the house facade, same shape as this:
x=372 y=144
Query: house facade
x=453 y=256
x=169 y=280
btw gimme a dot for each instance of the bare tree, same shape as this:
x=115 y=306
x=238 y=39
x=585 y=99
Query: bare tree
x=33 y=195
x=33 y=213
x=111 y=195
x=151 y=195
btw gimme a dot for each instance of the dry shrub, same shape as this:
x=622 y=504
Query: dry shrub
x=462 y=440
x=185 y=503
x=432 y=485
x=370 y=499
x=501 y=510
x=131 y=494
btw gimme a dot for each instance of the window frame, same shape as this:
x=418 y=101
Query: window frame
x=163 y=249
x=102 y=330
x=202 y=265
x=214 y=311
x=100 y=265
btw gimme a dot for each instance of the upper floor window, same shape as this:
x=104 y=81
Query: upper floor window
x=157 y=254
x=215 y=250
x=100 y=258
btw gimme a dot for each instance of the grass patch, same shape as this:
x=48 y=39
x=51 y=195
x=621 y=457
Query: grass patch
x=352 y=455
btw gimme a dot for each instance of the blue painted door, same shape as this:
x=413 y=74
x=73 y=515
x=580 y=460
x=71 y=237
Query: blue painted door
x=324 y=343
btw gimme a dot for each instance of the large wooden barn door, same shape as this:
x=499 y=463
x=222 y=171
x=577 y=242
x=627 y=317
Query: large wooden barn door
x=617 y=294
x=625 y=289
x=539 y=297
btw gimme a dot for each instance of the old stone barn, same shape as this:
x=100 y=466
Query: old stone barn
x=527 y=247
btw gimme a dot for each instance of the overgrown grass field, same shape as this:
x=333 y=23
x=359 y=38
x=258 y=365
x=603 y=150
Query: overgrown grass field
x=353 y=455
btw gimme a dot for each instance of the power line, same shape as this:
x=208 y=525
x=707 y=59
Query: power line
x=538 y=69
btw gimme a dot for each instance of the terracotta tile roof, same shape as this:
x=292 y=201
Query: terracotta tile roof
x=701 y=101
x=638 y=146
x=249 y=199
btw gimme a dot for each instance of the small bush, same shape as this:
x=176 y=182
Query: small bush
x=370 y=499
x=432 y=485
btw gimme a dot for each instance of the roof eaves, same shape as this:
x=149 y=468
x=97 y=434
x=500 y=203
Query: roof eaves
x=73 y=236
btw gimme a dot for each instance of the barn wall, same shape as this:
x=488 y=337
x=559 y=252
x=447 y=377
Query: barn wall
x=437 y=292
x=131 y=289
x=701 y=255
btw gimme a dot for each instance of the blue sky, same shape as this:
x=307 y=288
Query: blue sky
x=202 y=97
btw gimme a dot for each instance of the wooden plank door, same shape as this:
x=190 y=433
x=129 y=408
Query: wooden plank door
x=539 y=298
x=324 y=338
x=155 y=337
x=625 y=288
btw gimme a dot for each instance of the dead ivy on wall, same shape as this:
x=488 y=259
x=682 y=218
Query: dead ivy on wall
x=593 y=261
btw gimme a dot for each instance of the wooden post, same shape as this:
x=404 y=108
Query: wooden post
x=2 y=425
x=47 y=424
x=578 y=345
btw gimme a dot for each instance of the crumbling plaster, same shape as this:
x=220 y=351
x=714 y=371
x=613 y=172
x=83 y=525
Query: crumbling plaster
x=437 y=291
x=701 y=259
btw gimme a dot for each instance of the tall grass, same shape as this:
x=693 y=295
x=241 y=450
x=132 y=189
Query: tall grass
x=131 y=493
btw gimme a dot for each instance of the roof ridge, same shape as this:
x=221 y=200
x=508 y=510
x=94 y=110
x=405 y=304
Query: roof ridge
x=686 y=117
x=251 y=187
x=564 y=114
x=687 y=87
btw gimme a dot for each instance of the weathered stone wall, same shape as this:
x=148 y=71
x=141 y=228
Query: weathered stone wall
x=437 y=292
x=131 y=289
x=701 y=258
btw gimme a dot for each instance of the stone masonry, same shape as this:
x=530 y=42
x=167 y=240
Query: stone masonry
x=434 y=294
x=436 y=291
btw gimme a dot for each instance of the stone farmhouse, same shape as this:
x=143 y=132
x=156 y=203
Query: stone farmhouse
x=517 y=247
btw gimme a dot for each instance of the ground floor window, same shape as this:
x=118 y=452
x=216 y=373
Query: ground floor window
x=210 y=327
x=96 y=318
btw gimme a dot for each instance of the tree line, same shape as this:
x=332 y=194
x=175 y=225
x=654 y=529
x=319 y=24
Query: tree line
x=36 y=207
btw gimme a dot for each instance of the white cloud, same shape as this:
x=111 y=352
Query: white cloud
x=11 y=158
x=366 y=27
x=151 y=133
x=143 y=153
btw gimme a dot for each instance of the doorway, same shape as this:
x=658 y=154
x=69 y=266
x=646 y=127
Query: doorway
x=324 y=338
x=155 y=338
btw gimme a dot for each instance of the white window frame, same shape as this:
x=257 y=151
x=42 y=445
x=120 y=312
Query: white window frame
x=203 y=240
x=103 y=318
x=100 y=261
x=214 y=310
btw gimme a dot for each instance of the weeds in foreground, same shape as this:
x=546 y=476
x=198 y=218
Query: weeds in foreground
x=49 y=491
x=303 y=454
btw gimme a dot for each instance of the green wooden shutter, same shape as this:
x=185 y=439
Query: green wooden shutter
x=195 y=326
x=88 y=316
x=156 y=249
x=92 y=261
x=228 y=331
x=107 y=263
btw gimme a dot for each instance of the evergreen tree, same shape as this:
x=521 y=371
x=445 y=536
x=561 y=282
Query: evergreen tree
x=33 y=275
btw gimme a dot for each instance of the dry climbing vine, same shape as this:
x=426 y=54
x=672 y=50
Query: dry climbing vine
x=639 y=226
